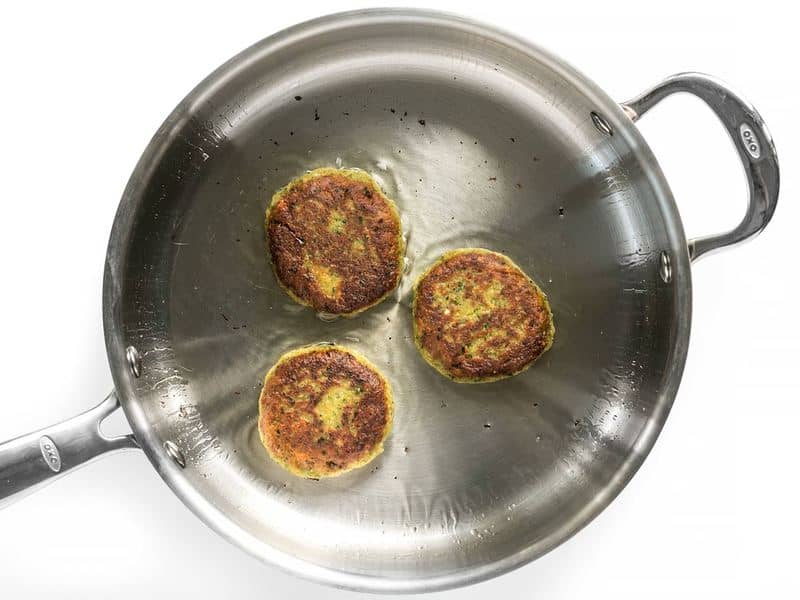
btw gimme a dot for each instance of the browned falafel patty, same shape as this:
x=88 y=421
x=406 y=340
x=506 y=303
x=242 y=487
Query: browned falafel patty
x=324 y=410
x=477 y=317
x=335 y=240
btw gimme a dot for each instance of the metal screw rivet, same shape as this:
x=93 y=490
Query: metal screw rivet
x=665 y=267
x=134 y=360
x=175 y=453
x=601 y=124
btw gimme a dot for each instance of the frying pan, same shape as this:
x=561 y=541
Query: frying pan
x=483 y=140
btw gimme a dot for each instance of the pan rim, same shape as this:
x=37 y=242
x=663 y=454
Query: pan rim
x=224 y=525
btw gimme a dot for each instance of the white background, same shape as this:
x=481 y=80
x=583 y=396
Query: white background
x=714 y=510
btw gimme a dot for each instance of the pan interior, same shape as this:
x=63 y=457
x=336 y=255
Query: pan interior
x=482 y=142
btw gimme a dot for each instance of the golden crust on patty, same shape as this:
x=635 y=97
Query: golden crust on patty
x=477 y=317
x=323 y=411
x=335 y=240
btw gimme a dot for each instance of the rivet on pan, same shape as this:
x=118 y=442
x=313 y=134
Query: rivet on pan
x=665 y=267
x=134 y=360
x=175 y=453
x=601 y=124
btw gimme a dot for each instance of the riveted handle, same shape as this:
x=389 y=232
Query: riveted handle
x=751 y=138
x=32 y=460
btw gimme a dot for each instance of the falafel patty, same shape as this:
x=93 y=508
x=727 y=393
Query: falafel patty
x=323 y=411
x=477 y=317
x=335 y=240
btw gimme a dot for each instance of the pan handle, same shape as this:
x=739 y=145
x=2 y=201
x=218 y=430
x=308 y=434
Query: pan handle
x=751 y=138
x=32 y=460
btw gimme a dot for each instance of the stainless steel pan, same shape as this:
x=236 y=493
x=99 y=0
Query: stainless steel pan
x=483 y=140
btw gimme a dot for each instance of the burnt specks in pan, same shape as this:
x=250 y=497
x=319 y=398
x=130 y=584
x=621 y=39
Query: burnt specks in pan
x=228 y=321
x=298 y=98
x=512 y=139
x=316 y=114
x=421 y=122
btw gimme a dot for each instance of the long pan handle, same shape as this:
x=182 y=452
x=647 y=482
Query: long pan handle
x=751 y=138
x=30 y=461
